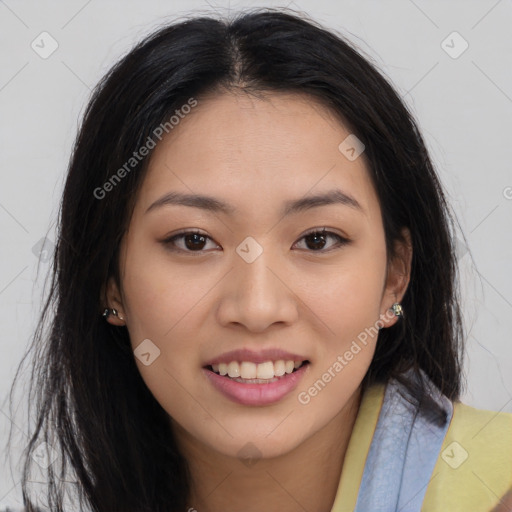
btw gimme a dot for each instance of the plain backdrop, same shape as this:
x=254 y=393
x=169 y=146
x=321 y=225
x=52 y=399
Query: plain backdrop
x=462 y=98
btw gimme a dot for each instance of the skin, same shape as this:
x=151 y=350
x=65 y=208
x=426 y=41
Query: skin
x=298 y=295
x=505 y=504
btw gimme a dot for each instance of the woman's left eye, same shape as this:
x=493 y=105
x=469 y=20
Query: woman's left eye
x=318 y=238
x=195 y=241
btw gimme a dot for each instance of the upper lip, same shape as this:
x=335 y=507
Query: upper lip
x=262 y=356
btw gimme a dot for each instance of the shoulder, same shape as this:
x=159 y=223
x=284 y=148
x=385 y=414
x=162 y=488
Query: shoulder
x=484 y=435
x=474 y=467
x=462 y=413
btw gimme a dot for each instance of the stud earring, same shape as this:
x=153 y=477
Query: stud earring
x=397 y=309
x=107 y=312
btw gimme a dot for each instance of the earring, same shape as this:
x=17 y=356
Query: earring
x=107 y=313
x=397 y=309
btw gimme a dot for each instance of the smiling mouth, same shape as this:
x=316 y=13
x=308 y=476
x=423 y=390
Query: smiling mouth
x=251 y=373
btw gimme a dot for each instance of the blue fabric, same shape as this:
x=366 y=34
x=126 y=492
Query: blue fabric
x=403 y=452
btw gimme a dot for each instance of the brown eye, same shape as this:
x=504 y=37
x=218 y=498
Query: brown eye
x=317 y=240
x=194 y=241
x=190 y=241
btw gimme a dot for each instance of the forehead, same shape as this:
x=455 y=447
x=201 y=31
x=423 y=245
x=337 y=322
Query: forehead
x=256 y=151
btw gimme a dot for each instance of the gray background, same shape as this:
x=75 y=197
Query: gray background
x=463 y=104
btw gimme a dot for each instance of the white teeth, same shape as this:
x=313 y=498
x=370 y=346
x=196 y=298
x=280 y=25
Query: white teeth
x=263 y=371
x=279 y=368
x=234 y=369
x=247 y=370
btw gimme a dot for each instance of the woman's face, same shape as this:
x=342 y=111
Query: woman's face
x=256 y=279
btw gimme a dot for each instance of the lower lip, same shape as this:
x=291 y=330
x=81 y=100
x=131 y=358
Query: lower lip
x=256 y=394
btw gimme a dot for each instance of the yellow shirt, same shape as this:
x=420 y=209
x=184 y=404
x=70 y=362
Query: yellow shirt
x=472 y=473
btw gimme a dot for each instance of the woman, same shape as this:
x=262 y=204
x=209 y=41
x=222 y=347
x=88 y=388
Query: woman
x=255 y=290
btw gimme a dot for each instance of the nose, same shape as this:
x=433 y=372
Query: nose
x=257 y=295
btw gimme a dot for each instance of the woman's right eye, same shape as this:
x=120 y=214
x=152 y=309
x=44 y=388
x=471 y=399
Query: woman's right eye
x=190 y=241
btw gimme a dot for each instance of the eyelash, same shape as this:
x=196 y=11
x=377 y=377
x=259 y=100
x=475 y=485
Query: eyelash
x=169 y=242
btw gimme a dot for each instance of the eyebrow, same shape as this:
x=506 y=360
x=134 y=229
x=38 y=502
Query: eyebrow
x=211 y=204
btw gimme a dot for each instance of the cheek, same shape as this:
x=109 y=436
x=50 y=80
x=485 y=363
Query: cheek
x=345 y=297
x=163 y=305
x=158 y=294
x=160 y=308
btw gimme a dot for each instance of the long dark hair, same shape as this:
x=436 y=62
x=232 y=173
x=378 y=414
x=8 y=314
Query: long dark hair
x=92 y=405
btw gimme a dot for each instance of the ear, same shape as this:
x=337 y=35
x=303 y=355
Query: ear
x=397 y=278
x=111 y=298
